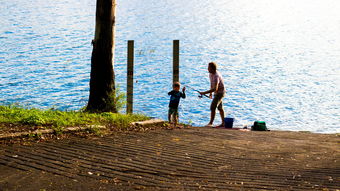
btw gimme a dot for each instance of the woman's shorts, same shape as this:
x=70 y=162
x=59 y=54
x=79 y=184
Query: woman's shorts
x=217 y=102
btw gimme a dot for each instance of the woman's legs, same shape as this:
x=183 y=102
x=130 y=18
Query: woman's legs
x=216 y=103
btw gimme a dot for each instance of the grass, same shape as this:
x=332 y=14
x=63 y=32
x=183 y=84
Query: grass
x=56 y=119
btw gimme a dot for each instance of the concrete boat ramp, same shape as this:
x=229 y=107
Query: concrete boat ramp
x=180 y=159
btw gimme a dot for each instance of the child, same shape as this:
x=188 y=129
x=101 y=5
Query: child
x=216 y=87
x=175 y=96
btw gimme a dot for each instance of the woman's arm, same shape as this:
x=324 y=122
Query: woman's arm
x=213 y=89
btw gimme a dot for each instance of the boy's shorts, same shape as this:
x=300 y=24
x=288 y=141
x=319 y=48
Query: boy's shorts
x=173 y=111
x=217 y=102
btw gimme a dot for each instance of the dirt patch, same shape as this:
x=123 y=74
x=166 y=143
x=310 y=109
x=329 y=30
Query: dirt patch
x=31 y=133
x=14 y=128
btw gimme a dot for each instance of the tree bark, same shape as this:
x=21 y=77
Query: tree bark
x=102 y=82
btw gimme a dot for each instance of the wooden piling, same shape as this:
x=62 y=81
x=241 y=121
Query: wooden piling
x=175 y=61
x=129 y=91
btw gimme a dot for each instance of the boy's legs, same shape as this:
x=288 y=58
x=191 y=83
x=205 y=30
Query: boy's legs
x=176 y=118
x=173 y=116
x=170 y=112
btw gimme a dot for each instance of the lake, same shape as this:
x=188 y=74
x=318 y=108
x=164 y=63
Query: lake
x=280 y=59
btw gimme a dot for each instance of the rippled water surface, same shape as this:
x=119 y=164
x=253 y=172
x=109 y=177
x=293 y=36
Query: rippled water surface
x=280 y=59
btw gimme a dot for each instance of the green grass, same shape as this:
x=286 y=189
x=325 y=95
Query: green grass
x=56 y=119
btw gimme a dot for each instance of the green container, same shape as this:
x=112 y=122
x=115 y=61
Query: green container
x=259 y=126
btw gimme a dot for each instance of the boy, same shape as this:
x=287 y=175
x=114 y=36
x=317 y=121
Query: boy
x=175 y=96
x=216 y=87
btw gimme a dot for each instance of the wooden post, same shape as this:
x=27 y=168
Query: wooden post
x=175 y=61
x=129 y=92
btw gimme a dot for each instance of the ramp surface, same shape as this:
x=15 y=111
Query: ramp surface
x=185 y=159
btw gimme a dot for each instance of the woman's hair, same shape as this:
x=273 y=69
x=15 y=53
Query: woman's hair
x=213 y=66
x=176 y=84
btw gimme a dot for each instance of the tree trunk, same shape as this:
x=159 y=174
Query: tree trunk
x=102 y=82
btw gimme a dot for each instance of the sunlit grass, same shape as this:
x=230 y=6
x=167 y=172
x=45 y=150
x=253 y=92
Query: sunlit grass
x=17 y=115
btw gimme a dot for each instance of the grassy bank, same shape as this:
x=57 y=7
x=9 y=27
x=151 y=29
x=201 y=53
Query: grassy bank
x=19 y=116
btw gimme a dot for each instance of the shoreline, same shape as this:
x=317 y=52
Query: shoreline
x=42 y=133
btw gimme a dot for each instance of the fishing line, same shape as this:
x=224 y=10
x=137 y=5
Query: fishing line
x=200 y=96
x=185 y=111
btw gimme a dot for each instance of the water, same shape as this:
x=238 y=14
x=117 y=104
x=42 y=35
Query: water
x=280 y=59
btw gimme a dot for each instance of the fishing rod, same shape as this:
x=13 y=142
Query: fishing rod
x=200 y=96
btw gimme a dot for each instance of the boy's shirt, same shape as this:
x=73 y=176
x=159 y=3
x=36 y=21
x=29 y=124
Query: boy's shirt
x=175 y=96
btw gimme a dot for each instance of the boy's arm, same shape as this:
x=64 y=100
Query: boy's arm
x=183 y=94
x=170 y=92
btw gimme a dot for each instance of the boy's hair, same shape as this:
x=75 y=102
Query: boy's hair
x=213 y=66
x=176 y=84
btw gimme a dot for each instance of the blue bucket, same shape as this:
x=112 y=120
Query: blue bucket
x=228 y=122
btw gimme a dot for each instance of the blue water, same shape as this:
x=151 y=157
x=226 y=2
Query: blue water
x=280 y=59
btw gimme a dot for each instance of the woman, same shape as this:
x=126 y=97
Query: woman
x=216 y=87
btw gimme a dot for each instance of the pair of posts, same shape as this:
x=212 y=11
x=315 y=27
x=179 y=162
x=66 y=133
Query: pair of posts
x=130 y=61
